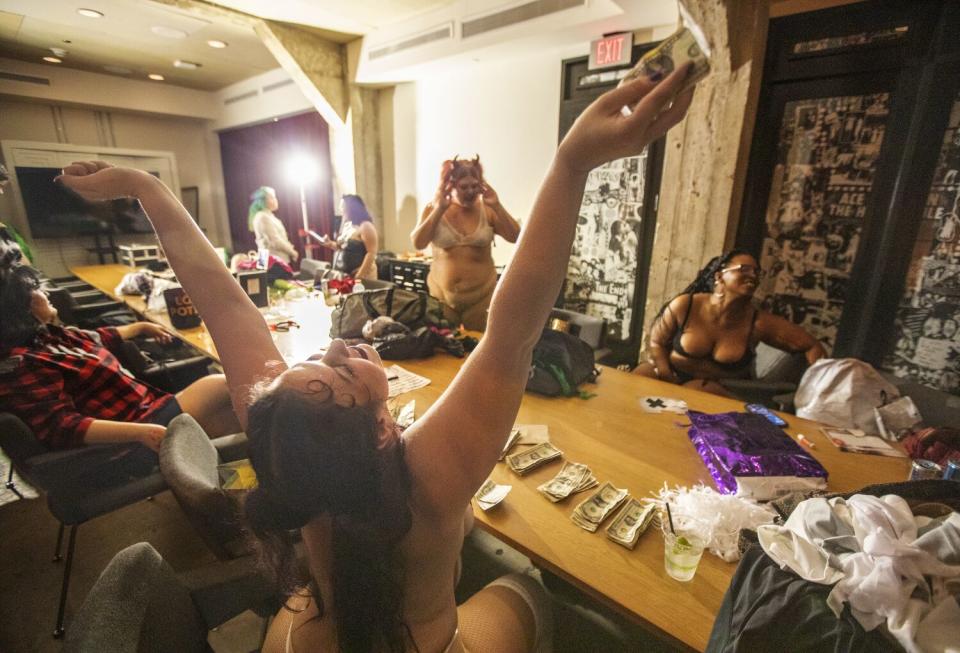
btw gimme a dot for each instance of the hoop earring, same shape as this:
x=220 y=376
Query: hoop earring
x=718 y=293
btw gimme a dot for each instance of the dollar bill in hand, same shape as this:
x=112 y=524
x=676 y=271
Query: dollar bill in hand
x=490 y=494
x=630 y=523
x=687 y=45
x=591 y=513
x=533 y=457
x=574 y=477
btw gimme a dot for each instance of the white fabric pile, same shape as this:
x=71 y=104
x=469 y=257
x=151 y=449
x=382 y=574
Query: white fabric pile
x=888 y=565
x=719 y=517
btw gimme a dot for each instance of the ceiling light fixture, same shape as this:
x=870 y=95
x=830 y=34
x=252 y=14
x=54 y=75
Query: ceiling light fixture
x=186 y=65
x=155 y=77
x=216 y=43
x=168 y=32
x=58 y=52
x=90 y=13
x=53 y=59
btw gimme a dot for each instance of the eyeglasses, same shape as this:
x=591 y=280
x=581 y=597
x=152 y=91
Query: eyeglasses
x=743 y=268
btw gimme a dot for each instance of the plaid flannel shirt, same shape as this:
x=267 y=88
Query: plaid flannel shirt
x=69 y=377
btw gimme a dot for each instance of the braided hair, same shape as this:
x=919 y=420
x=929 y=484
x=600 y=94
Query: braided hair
x=706 y=278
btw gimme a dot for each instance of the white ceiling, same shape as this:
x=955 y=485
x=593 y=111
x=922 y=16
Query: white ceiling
x=123 y=37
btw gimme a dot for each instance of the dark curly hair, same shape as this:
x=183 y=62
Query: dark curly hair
x=18 y=326
x=315 y=458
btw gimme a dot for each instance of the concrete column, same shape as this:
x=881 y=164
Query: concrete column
x=706 y=155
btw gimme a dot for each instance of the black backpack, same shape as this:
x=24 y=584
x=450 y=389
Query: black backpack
x=561 y=362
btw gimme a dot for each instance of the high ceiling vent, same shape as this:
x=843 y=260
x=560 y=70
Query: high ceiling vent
x=439 y=34
x=29 y=79
x=242 y=96
x=276 y=85
x=515 y=15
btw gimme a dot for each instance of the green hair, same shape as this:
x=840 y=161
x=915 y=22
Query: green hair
x=258 y=202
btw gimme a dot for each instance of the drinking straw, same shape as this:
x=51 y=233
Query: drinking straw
x=670 y=517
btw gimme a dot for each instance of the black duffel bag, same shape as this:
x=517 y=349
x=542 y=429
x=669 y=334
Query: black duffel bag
x=413 y=309
x=561 y=362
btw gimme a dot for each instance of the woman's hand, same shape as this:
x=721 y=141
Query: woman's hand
x=151 y=435
x=151 y=330
x=443 y=197
x=98 y=181
x=490 y=197
x=602 y=133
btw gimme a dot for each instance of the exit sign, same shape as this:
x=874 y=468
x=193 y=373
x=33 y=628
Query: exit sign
x=611 y=51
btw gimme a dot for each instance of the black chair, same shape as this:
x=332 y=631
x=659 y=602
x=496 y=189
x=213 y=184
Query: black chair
x=140 y=605
x=64 y=477
x=171 y=367
x=91 y=310
x=774 y=375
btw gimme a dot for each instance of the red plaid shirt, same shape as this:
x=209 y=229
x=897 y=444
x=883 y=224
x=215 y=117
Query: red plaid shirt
x=67 y=379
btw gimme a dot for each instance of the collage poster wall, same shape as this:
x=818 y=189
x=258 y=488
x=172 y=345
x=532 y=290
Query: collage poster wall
x=602 y=274
x=818 y=202
x=927 y=338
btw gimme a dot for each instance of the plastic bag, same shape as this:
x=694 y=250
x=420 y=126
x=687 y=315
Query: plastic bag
x=897 y=418
x=843 y=392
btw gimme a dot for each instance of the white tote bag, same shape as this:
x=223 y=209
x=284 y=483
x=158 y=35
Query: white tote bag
x=843 y=392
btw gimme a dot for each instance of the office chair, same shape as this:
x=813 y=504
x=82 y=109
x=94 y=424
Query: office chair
x=774 y=375
x=140 y=605
x=64 y=477
x=188 y=461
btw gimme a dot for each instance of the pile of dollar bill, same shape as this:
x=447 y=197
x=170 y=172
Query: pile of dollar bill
x=490 y=494
x=573 y=478
x=591 y=513
x=533 y=457
x=630 y=523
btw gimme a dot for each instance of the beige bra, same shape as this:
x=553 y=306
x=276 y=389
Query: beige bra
x=445 y=236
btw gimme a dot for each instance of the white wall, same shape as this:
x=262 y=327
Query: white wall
x=505 y=111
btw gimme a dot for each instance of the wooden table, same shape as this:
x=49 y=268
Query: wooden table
x=632 y=449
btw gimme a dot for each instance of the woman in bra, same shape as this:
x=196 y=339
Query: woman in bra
x=711 y=329
x=382 y=513
x=357 y=244
x=460 y=224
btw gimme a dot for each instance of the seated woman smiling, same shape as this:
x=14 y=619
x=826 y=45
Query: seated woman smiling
x=710 y=331
x=383 y=513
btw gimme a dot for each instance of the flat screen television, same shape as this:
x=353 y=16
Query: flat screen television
x=55 y=212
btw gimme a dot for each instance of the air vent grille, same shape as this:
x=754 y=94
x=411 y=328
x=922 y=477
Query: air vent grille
x=276 y=85
x=28 y=79
x=242 y=96
x=514 y=15
x=439 y=34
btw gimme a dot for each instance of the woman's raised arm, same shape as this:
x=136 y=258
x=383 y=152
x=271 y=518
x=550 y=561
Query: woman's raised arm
x=452 y=449
x=239 y=331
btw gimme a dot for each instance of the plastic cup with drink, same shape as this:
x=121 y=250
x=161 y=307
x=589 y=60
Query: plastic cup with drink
x=682 y=549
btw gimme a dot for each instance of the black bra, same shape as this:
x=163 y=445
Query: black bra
x=736 y=365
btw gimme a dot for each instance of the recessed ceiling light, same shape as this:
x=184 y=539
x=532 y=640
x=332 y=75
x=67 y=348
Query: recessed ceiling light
x=117 y=70
x=215 y=43
x=53 y=59
x=90 y=13
x=168 y=32
x=155 y=77
x=186 y=65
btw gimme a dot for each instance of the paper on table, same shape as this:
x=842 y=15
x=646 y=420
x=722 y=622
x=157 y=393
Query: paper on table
x=663 y=405
x=406 y=381
x=853 y=441
x=533 y=433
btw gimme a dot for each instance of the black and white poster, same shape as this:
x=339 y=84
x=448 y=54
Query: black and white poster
x=602 y=273
x=927 y=339
x=818 y=204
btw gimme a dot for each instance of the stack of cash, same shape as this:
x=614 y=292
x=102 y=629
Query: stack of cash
x=591 y=513
x=511 y=440
x=574 y=477
x=630 y=523
x=533 y=457
x=490 y=494
x=404 y=416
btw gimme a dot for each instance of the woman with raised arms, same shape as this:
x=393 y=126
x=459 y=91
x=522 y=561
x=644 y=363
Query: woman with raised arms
x=383 y=514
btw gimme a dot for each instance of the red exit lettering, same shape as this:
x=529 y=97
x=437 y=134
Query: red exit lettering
x=609 y=51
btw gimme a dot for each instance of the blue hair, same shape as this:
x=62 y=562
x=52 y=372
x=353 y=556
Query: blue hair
x=258 y=202
x=355 y=210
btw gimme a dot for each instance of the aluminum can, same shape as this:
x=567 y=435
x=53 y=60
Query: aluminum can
x=951 y=472
x=925 y=469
